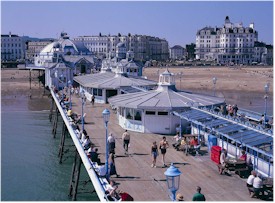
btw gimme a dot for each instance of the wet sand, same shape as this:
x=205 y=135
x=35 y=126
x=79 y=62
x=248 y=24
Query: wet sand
x=16 y=92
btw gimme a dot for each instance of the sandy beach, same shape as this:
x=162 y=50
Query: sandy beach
x=241 y=85
x=244 y=86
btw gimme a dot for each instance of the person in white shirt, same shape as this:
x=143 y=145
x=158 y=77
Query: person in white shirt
x=111 y=143
x=249 y=182
x=257 y=185
x=222 y=161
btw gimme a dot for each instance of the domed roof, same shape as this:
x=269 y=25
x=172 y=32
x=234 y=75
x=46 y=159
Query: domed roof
x=64 y=41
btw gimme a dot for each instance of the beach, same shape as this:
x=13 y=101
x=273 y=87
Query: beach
x=243 y=86
x=238 y=85
x=16 y=94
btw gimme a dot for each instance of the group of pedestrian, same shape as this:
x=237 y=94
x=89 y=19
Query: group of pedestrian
x=198 y=196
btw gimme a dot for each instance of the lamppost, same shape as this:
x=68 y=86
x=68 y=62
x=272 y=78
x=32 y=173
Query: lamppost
x=173 y=180
x=180 y=74
x=69 y=85
x=106 y=117
x=214 y=82
x=266 y=88
x=83 y=102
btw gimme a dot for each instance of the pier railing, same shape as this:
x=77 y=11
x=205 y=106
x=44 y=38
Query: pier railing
x=98 y=183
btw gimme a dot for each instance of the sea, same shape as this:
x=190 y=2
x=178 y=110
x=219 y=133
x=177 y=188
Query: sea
x=30 y=168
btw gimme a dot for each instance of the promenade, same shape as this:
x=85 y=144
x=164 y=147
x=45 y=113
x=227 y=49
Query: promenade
x=148 y=184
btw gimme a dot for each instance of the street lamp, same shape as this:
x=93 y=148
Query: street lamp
x=173 y=180
x=180 y=74
x=266 y=88
x=106 y=117
x=214 y=82
x=83 y=102
x=69 y=85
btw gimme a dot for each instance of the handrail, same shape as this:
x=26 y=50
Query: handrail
x=86 y=162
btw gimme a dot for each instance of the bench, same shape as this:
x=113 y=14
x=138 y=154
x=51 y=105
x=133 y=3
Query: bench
x=242 y=172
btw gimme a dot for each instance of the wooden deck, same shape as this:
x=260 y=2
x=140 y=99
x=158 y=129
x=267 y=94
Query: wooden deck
x=148 y=184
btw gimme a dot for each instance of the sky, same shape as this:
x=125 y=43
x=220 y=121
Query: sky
x=176 y=21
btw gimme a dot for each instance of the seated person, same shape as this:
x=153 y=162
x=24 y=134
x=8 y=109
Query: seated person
x=94 y=156
x=257 y=186
x=243 y=156
x=177 y=139
x=87 y=143
x=111 y=191
x=249 y=182
x=194 y=143
x=183 y=145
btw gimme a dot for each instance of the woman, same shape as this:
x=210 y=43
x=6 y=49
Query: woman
x=154 y=152
x=163 y=145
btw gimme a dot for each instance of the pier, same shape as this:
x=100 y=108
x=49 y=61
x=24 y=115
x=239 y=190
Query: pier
x=137 y=177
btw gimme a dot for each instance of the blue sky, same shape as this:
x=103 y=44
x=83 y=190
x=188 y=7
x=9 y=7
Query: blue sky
x=176 y=21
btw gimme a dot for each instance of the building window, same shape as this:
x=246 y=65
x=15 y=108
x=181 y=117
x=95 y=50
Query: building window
x=160 y=113
x=150 y=113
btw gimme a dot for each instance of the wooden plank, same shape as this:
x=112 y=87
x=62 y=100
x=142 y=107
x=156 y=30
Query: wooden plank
x=148 y=184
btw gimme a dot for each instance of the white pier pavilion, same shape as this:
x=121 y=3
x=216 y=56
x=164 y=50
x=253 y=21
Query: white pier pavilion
x=151 y=111
x=108 y=83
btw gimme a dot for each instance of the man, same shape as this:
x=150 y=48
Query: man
x=222 y=161
x=126 y=141
x=198 y=196
x=111 y=143
x=163 y=145
x=250 y=180
x=257 y=186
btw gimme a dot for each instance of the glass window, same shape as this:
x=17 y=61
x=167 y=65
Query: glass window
x=94 y=91
x=160 y=113
x=129 y=114
x=137 y=115
x=150 y=113
x=99 y=92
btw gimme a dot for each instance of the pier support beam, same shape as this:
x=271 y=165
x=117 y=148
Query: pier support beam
x=62 y=142
x=75 y=176
x=55 y=121
x=51 y=110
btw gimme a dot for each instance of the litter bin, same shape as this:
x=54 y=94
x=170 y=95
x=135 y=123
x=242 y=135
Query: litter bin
x=215 y=154
x=212 y=141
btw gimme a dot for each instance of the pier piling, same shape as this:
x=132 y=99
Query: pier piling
x=75 y=176
x=62 y=142
x=55 y=121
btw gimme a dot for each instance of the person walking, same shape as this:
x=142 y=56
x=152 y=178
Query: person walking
x=163 y=145
x=154 y=152
x=198 y=196
x=111 y=143
x=93 y=100
x=126 y=141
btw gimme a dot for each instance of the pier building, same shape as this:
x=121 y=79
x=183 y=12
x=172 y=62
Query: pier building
x=234 y=135
x=151 y=111
x=64 y=59
x=109 y=82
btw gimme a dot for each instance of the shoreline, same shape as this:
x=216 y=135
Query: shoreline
x=16 y=94
x=237 y=86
